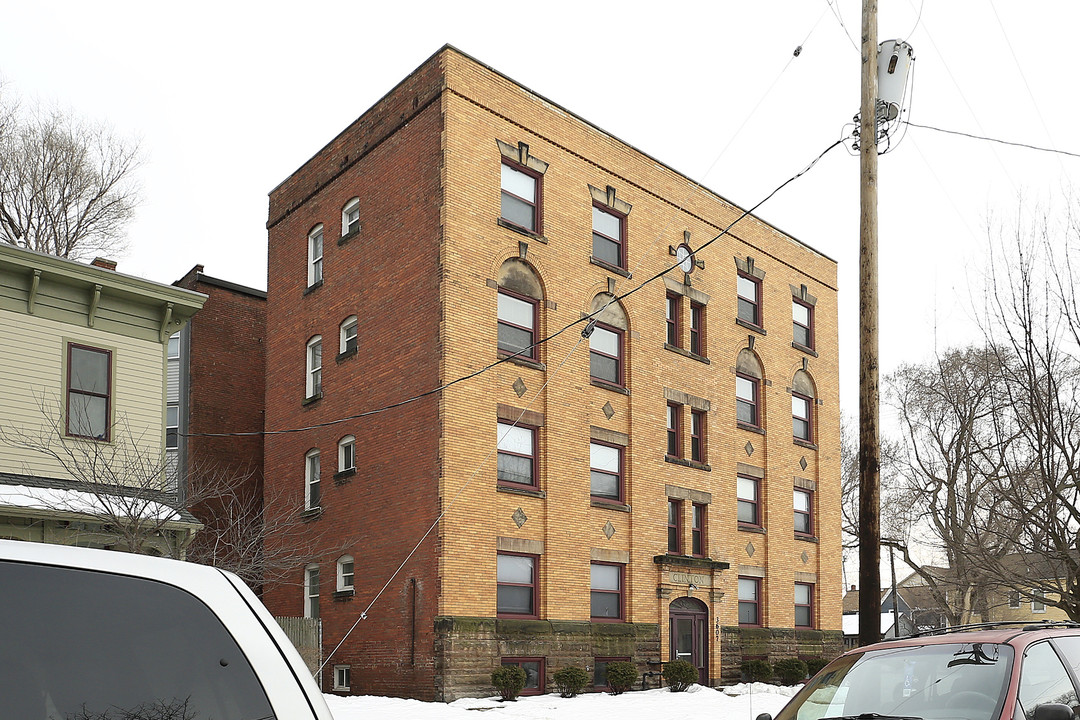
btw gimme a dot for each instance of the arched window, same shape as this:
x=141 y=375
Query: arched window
x=748 y=381
x=347 y=341
x=312 y=471
x=345 y=573
x=520 y=297
x=607 y=344
x=315 y=255
x=311 y=591
x=346 y=454
x=350 y=218
x=313 y=379
x=802 y=406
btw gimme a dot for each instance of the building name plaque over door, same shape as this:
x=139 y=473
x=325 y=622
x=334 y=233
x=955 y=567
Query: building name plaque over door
x=679 y=578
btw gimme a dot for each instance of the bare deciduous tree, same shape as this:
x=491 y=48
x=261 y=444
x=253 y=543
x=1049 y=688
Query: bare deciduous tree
x=66 y=184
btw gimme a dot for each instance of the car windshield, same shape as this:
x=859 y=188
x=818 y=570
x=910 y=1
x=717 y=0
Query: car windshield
x=960 y=680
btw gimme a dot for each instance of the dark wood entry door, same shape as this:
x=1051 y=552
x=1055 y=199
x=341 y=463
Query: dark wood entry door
x=690 y=634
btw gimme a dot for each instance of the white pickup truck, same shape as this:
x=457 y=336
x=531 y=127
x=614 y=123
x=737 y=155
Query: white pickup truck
x=97 y=635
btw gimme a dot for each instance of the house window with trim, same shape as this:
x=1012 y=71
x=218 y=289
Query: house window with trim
x=697 y=329
x=311 y=591
x=516 y=448
x=315 y=255
x=605 y=462
x=673 y=318
x=697 y=435
x=521 y=194
x=312 y=495
x=804 y=605
x=174 y=346
x=172 y=426
x=749 y=601
x=347 y=340
x=801 y=418
x=600 y=670
x=313 y=376
x=606 y=591
x=804 y=522
x=345 y=573
x=674 y=430
x=605 y=354
x=516 y=585
x=350 y=218
x=749 y=292
x=1038 y=601
x=1014 y=599
x=534 y=673
x=802 y=319
x=346 y=454
x=746 y=400
x=609 y=236
x=342 y=677
x=517 y=324
x=697 y=530
x=674 y=526
x=89 y=392
x=748 y=493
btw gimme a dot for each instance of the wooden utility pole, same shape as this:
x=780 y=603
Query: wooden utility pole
x=869 y=447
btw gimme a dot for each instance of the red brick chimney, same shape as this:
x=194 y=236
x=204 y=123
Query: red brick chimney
x=104 y=263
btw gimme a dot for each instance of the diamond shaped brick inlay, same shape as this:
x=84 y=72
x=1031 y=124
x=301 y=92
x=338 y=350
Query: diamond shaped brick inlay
x=749 y=448
x=608 y=410
x=802 y=462
x=609 y=529
x=805 y=558
x=750 y=549
x=519 y=517
x=519 y=387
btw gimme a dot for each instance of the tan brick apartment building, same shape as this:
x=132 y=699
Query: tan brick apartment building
x=667 y=487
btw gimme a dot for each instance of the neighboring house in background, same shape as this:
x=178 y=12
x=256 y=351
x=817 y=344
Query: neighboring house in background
x=666 y=487
x=82 y=371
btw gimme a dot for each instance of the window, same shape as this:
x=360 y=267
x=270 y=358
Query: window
x=347 y=335
x=804 y=524
x=89 y=392
x=516 y=454
x=517 y=325
x=804 y=605
x=345 y=573
x=697 y=530
x=172 y=426
x=674 y=430
x=605 y=354
x=1038 y=601
x=802 y=317
x=1043 y=679
x=674 y=526
x=600 y=668
x=749 y=290
x=747 y=500
x=1014 y=599
x=673 y=313
x=516 y=585
x=313 y=383
x=697 y=329
x=606 y=596
x=174 y=346
x=521 y=197
x=350 y=217
x=746 y=400
x=311 y=591
x=697 y=435
x=749 y=601
x=605 y=463
x=311 y=480
x=346 y=454
x=800 y=417
x=342 y=677
x=315 y=256
x=534 y=673
x=609 y=237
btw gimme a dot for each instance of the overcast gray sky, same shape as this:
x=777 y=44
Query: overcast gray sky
x=228 y=98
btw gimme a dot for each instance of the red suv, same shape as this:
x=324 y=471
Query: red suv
x=990 y=671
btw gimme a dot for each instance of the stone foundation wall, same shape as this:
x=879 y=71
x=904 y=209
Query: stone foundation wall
x=772 y=644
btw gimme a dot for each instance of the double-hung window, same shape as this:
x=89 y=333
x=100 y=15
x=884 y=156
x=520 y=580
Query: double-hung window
x=516 y=585
x=673 y=317
x=313 y=382
x=311 y=591
x=347 y=454
x=697 y=530
x=802 y=318
x=749 y=292
x=697 y=329
x=804 y=605
x=89 y=392
x=315 y=255
x=674 y=526
x=800 y=417
x=605 y=463
x=516 y=454
x=746 y=400
x=517 y=325
x=312 y=471
x=172 y=426
x=342 y=677
x=174 y=346
x=350 y=218
x=674 y=430
x=1038 y=600
x=345 y=573
x=697 y=435
x=521 y=193
x=609 y=237
x=347 y=342
x=804 y=524
x=605 y=354
x=748 y=501
x=749 y=601
x=606 y=591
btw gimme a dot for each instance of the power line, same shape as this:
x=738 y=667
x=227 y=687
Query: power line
x=994 y=140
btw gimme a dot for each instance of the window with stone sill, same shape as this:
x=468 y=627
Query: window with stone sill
x=804 y=505
x=315 y=255
x=673 y=318
x=749 y=297
x=521 y=196
x=802 y=320
x=606 y=591
x=312 y=472
x=674 y=526
x=516 y=455
x=674 y=430
x=697 y=329
x=605 y=354
x=345 y=573
x=518 y=317
x=516 y=585
x=698 y=532
x=802 y=426
x=748 y=496
x=347 y=335
x=350 y=217
x=609 y=236
x=313 y=377
x=804 y=605
x=746 y=400
x=606 y=471
x=749 y=601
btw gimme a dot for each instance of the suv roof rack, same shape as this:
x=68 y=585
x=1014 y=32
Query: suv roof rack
x=1023 y=624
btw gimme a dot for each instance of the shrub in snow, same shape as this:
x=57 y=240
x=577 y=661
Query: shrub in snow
x=680 y=675
x=570 y=681
x=791 y=671
x=509 y=680
x=621 y=676
x=757 y=670
x=814 y=664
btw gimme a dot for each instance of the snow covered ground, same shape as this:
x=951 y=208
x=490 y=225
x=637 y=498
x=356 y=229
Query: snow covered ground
x=739 y=702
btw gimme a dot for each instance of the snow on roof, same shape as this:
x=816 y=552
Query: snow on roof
x=78 y=502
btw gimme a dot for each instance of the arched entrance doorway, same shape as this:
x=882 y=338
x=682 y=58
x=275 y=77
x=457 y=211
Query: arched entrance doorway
x=689 y=620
